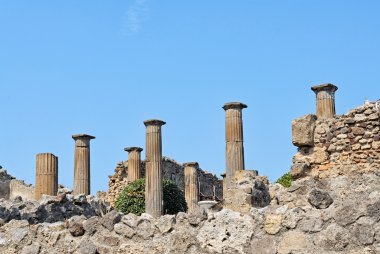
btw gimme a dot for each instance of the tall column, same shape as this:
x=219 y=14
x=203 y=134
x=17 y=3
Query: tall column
x=191 y=185
x=82 y=164
x=134 y=162
x=234 y=140
x=224 y=185
x=46 y=175
x=153 y=171
x=325 y=94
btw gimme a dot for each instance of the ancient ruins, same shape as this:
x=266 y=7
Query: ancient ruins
x=331 y=206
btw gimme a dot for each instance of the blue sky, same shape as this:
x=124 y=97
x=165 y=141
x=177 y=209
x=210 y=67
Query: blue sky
x=103 y=67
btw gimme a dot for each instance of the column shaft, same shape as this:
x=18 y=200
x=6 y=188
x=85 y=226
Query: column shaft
x=134 y=163
x=153 y=174
x=234 y=141
x=325 y=100
x=82 y=164
x=191 y=186
x=46 y=175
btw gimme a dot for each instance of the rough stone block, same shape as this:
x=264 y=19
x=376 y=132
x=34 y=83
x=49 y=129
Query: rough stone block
x=303 y=130
x=299 y=169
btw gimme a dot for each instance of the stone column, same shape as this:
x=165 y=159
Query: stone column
x=82 y=164
x=234 y=140
x=191 y=185
x=134 y=163
x=224 y=185
x=325 y=94
x=153 y=171
x=46 y=175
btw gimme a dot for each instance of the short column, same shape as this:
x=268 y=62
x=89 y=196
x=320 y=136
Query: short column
x=191 y=185
x=153 y=171
x=325 y=101
x=234 y=140
x=46 y=175
x=82 y=164
x=134 y=163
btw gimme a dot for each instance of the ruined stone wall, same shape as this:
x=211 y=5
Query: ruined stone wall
x=5 y=180
x=20 y=188
x=171 y=170
x=325 y=146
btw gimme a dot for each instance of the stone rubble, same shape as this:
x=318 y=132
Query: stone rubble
x=331 y=215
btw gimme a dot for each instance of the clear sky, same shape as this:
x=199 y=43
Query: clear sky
x=103 y=67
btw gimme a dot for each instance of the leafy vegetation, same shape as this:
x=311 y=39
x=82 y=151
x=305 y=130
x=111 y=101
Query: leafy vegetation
x=132 y=199
x=285 y=180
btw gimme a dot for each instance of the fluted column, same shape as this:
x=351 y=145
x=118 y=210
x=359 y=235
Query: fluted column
x=46 y=175
x=325 y=100
x=234 y=140
x=153 y=170
x=134 y=163
x=224 y=185
x=82 y=164
x=191 y=185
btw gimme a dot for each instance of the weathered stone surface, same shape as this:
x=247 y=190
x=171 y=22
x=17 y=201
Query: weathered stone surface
x=292 y=217
x=273 y=223
x=374 y=211
x=75 y=225
x=122 y=229
x=197 y=217
x=264 y=245
x=303 y=130
x=31 y=249
x=110 y=219
x=364 y=231
x=293 y=241
x=235 y=236
x=165 y=223
x=91 y=225
x=320 y=199
x=299 y=169
x=334 y=238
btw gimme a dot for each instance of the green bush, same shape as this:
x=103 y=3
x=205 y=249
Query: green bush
x=285 y=180
x=132 y=199
x=174 y=199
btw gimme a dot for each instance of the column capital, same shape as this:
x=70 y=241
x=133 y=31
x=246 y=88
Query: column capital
x=324 y=87
x=50 y=154
x=82 y=136
x=191 y=164
x=234 y=105
x=154 y=122
x=133 y=148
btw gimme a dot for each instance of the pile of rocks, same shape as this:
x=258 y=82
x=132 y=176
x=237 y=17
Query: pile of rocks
x=325 y=146
x=51 y=208
x=331 y=215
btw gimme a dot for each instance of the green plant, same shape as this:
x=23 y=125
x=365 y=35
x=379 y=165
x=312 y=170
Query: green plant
x=285 y=180
x=132 y=199
x=174 y=199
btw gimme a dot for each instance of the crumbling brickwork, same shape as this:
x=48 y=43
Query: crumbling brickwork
x=171 y=170
x=325 y=146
